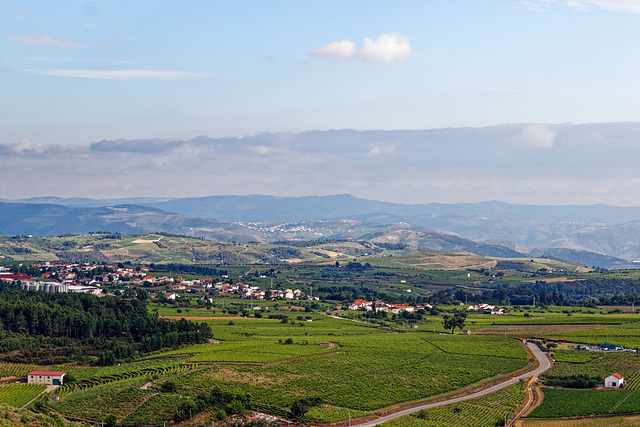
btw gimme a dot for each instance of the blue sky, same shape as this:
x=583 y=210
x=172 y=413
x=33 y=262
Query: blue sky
x=73 y=73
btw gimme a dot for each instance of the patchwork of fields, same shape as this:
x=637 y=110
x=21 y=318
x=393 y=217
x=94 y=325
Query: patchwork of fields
x=351 y=367
x=333 y=359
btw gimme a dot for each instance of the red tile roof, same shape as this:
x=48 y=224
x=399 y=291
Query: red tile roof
x=50 y=373
x=618 y=376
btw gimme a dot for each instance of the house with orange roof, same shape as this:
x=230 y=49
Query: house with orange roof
x=614 y=380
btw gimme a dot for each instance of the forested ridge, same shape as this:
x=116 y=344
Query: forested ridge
x=82 y=324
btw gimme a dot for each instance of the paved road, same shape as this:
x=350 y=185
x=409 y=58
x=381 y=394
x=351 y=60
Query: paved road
x=545 y=364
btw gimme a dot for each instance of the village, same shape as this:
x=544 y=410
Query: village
x=93 y=278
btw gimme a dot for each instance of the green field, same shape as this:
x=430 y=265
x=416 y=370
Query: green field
x=17 y=395
x=626 y=334
x=559 y=403
x=252 y=358
x=487 y=411
x=602 y=365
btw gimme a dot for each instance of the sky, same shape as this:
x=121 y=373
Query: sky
x=74 y=73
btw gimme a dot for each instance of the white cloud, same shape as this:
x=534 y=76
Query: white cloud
x=343 y=50
x=388 y=47
x=537 y=136
x=123 y=74
x=26 y=146
x=632 y=6
x=34 y=40
x=628 y=6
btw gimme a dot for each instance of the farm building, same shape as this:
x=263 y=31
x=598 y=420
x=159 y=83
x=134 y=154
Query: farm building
x=614 y=381
x=45 y=377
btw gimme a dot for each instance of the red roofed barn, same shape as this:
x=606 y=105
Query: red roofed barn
x=45 y=377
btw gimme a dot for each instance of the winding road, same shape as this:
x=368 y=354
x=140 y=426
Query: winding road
x=544 y=364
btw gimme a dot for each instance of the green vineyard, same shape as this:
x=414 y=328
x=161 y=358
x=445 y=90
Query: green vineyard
x=146 y=372
x=633 y=382
x=17 y=395
x=486 y=411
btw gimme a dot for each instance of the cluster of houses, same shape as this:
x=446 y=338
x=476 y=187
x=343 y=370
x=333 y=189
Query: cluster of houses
x=485 y=308
x=261 y=293
x=66 y=277
x=381 y=306
x=76 y=274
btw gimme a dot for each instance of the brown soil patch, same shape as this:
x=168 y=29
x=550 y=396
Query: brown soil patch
x=533 y=330
x=12 y=380
x=455 y=263
x=225 y=374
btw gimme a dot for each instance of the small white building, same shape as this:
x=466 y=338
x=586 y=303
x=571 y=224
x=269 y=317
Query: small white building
x=45 y=377
x=614 y=381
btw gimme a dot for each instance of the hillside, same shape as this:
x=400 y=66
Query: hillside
x=602 y=230
x=48 y=219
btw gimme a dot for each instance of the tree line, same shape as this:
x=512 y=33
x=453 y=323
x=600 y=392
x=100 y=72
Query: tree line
x=121 y=325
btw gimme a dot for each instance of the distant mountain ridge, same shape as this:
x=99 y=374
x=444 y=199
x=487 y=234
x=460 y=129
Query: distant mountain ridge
x=601 y=235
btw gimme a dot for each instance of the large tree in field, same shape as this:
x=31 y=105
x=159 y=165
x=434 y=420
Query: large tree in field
x=453 y=321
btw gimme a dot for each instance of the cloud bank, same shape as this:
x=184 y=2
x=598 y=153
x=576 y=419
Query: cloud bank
x=518 y=163
x=388 y=47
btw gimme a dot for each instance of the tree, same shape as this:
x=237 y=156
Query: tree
x=301 y=406
x=187 y=409
x=454 y=321
x=111 y=420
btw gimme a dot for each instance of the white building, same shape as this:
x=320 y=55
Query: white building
x=614 y=381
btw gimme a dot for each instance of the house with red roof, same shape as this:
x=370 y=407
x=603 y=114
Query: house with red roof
x=614 y=381
x=45 y=377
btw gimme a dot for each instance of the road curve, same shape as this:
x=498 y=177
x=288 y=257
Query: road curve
x=544 y=364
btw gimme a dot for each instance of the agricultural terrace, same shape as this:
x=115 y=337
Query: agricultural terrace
x=626 y=334
x=572 y=402
x=277 y=363
x=17 y=395
x=559 y=403
x=395 y=367
x=487 y=411
x=594 y=364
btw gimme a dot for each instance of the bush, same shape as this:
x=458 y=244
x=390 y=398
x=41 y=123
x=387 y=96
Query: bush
x=168 y=387
x=574 y=381
x=187 y=409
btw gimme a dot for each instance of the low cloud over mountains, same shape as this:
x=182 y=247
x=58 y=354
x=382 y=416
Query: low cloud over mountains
x=519 y=163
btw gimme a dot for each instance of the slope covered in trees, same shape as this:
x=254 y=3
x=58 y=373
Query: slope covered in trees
x=72 y=326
